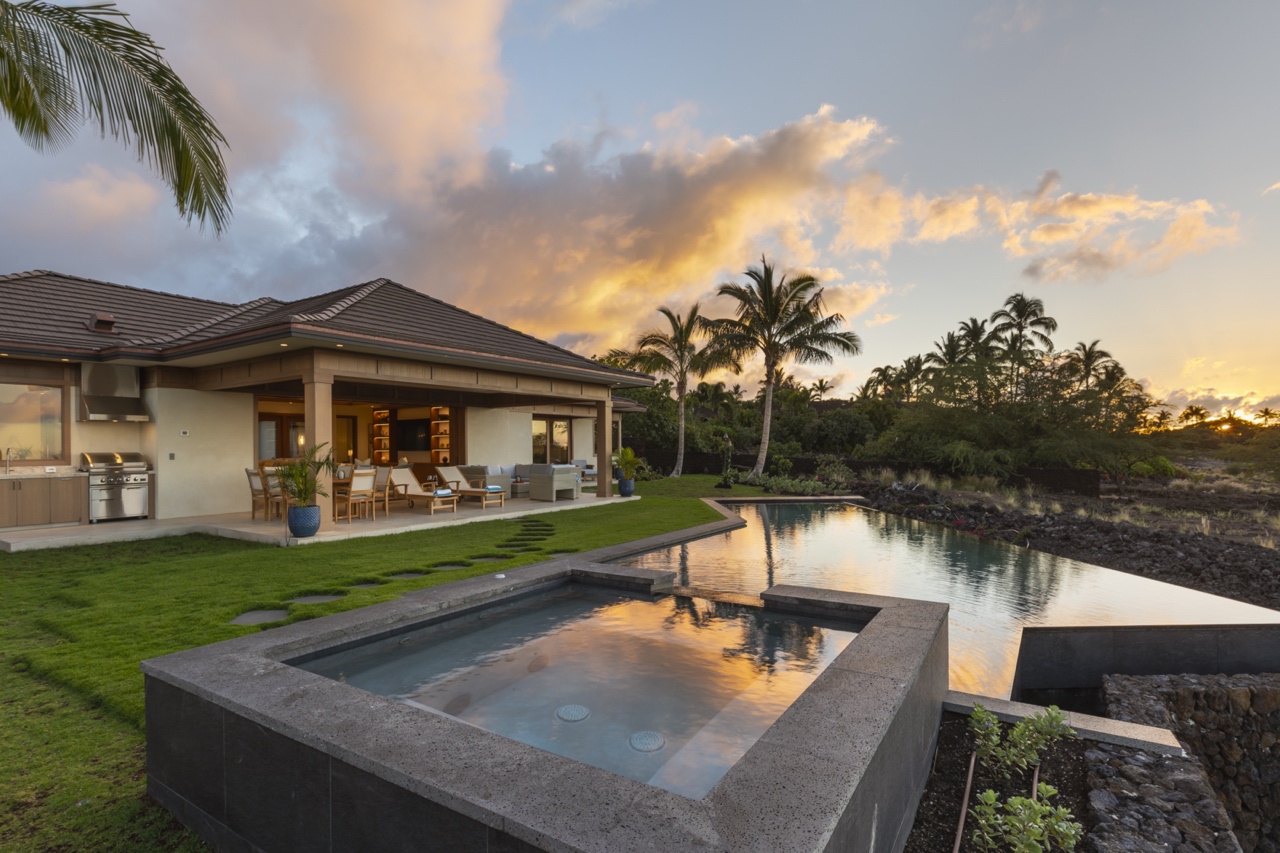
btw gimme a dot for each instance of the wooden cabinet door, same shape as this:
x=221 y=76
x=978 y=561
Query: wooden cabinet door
x=68 y=500
x=32 y=501
x=8 y=502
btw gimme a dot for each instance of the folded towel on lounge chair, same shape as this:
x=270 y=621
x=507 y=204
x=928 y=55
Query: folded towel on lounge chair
x=494 y=489
x=443 y=493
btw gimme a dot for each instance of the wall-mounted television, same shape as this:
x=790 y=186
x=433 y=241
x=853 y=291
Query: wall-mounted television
x=413 y=434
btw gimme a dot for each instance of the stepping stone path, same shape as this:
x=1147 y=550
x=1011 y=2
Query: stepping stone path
x=365 y=585
x=259 y=617
x=447 y=567
x=314 y=599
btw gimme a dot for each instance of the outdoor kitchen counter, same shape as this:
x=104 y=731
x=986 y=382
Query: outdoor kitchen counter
x=31 y=473
x=32 y=498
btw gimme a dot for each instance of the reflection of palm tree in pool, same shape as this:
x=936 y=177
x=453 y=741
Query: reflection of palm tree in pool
x=685 y=610
x=682 y=564
x=767 y=523
x=766 y=639
x=1028 y=580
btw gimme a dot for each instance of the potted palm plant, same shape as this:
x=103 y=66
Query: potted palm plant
x=300 y=480
x=626 y=461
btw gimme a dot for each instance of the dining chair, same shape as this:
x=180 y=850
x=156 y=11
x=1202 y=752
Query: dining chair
x=257 y=494
x=360 y=494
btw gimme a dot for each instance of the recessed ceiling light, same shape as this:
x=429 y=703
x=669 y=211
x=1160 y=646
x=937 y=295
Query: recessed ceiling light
x=284 y=345
x=339 y=345
x=66 y=359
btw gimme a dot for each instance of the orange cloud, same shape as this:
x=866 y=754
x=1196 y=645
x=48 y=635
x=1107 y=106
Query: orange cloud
x=97 y=199
x=881 y=320
x=571 y=237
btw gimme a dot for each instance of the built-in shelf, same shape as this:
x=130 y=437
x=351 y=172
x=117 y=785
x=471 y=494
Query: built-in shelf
x=441 y=450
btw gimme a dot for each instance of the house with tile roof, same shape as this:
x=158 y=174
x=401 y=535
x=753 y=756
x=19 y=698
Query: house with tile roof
x=203 y=389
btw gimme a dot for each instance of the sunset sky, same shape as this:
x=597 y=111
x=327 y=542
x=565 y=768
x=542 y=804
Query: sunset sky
x=566 y=167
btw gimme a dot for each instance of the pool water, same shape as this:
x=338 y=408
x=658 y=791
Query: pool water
x=671 y=692
x=994 y=589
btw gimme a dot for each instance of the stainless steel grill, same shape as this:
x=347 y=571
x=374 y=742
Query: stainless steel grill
x=119 y=485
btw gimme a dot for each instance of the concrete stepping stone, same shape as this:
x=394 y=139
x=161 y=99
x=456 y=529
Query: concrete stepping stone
x=314 y=599
x=365 y=585
x=259 y=617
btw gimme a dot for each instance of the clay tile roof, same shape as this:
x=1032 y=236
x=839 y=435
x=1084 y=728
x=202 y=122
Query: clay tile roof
x=48 y=310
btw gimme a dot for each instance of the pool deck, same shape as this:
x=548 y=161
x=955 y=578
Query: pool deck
x=239 y=525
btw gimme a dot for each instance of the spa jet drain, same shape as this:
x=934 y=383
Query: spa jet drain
x=646 y=741
x=572 y=713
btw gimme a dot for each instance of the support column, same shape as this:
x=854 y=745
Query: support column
x=318 y=429
x=604 y=448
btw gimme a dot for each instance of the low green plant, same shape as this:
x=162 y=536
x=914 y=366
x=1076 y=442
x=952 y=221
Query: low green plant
x=1020 y=748
x=646 y=472
x=1024 y=825
x=780 y=466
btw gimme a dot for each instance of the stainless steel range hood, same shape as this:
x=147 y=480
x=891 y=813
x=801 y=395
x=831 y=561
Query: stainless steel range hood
x=111 y=392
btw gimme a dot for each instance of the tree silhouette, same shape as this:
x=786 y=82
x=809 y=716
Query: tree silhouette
x=780 y=320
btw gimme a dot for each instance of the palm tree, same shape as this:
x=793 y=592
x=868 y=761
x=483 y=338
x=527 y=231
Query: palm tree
x=1087 y=361
x=910 y=377
x=981 y=347
x=714 y=398
x=820 y=389
x=948 y=352
x=780 y=320
x=62 y=64
x=675 y=352
x=1267 y=416
x=883 y=379
x=1194 y=414
x=1022 y=325
x=867 y=390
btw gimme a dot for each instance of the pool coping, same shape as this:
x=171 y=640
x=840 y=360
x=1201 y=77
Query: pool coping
x=843 y=766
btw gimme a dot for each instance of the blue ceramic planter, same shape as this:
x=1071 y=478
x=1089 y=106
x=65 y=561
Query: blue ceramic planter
x=626 y=488
x=304 y=521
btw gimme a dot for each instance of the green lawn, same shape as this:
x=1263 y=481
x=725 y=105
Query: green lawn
x=76 y=622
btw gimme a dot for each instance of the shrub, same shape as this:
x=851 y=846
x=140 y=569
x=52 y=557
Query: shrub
x=831 y=469
x=1157 y=466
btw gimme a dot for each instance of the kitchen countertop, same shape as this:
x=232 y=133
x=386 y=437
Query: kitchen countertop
x=23 y=472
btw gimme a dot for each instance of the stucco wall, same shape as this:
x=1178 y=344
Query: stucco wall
x=584 y=439
x=498 y=437
x=206 y=474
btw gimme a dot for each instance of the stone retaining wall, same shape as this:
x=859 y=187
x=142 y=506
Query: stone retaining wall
x=1232 y=724
x=1144 y=802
